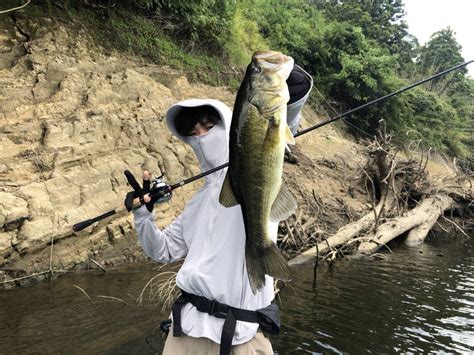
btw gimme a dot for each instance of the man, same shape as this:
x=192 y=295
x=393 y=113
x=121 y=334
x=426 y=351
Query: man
x=217 y=310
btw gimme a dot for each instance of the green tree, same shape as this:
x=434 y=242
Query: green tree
x=288 y=26
x=438 y=124
x=353 y=70
x=381 y=21
x=440 y=53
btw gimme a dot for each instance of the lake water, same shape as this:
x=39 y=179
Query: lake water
x=414 y=300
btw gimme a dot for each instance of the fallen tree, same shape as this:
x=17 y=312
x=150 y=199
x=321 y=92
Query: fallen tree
x=405 y=204
x=417 y=221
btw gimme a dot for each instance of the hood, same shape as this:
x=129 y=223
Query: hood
x=212 y=148
x=224 y=111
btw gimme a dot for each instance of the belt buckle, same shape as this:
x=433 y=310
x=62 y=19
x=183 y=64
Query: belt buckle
x=214 y=310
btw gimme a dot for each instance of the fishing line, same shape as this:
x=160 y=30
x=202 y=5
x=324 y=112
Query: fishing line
x=344 y=119
x=81 y=225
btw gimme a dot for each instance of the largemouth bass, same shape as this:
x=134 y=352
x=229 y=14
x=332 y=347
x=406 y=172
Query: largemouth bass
x=258 y=135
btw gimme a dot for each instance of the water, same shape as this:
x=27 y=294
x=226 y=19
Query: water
x=416 y=300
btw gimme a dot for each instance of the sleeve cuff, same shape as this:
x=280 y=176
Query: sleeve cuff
x=141 y=213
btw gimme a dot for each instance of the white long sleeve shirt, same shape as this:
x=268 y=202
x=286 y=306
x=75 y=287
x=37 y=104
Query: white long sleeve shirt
x=210 y=236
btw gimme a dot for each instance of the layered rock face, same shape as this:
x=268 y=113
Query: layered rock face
x=72 y=119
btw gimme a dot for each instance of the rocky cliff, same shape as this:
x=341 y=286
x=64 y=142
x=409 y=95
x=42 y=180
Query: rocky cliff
x=72 y=119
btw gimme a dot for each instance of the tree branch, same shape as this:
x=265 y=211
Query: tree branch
x=15 y=8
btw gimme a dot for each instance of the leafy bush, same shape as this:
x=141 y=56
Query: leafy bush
x=436 y=122
x=199 y=23
x=244 y=39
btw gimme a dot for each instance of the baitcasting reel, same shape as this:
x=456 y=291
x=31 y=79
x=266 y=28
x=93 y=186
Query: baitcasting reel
x=160 y=190
x=157 y=189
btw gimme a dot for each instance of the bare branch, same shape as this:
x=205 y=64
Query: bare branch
x=15 y=8
x=84 y=292
x=459 y=228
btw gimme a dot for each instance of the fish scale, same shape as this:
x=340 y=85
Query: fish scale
x=258 y=175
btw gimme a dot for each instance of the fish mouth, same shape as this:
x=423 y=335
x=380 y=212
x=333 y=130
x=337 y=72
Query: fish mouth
x=272 y=61
x=269 y=71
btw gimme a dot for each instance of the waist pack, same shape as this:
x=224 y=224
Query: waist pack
x=268 y=318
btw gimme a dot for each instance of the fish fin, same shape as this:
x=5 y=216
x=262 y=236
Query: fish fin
x=272 y=263
x=227 y=197
x=283 y=206
x=289 y=136
x=275 y=263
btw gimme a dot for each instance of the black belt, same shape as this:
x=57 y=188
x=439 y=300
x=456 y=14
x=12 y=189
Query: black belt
x=268 y=317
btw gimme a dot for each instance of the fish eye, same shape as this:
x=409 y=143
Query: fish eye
x=256 y=69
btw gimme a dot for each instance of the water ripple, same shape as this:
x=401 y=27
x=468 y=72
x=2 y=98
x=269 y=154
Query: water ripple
x=413 y=302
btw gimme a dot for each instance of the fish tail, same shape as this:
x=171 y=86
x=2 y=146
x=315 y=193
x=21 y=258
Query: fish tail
x=271 y=262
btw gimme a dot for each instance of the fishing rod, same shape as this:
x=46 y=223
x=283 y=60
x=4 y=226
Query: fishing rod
x=383 y=98
x=162 y=192
x=158 y=189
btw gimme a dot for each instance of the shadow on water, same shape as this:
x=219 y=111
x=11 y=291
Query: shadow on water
x=417 y=300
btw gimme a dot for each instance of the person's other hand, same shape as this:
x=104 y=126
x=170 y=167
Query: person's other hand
x=142 y=193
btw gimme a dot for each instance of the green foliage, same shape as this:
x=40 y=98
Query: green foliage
x=452 y=96
x=142 y=37
x=437 y=123
x=288 y=26
x=462 y=100
x=199 y=23
x=131 y=31
x=363 y=77
x=244 y=39
x=440 y=53
x=380 y=21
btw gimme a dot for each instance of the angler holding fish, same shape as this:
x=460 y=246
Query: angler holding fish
x=227 y=232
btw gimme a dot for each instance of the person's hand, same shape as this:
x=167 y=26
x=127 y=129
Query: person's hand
x=299 y=83
x=142 y=193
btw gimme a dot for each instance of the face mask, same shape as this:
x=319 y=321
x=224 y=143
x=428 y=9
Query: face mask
x=210 y=148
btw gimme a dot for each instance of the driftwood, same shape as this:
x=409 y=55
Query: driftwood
x=342 y=236
x=404 y=203
x=418 y=221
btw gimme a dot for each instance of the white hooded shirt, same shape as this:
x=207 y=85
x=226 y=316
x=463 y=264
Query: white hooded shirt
x=210 y=236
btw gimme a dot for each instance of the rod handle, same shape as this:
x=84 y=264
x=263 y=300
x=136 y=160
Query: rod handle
x=84 y=224
x=81 y=225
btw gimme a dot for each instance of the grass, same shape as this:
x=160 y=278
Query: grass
x=129 y=32
x=138 y=35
